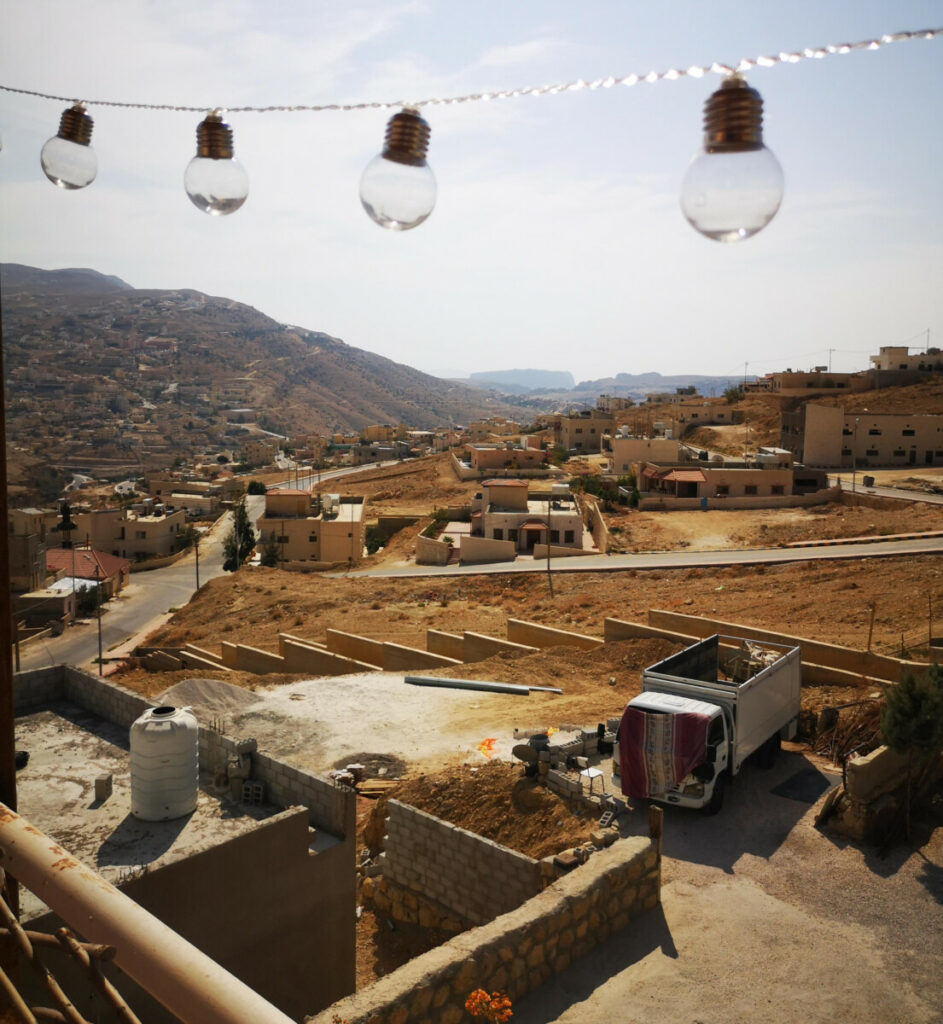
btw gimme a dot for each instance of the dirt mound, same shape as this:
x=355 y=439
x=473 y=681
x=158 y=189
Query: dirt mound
x=209 y=697
x=498 y=802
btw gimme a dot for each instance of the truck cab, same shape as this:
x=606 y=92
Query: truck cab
x=697 y=788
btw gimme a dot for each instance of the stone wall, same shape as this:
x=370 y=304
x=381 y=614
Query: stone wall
x=447 y=644
x=521 y=950
x=666 y=504
x=475 y=550
x=398 y=657
x=473 y=877
x=430 y=551
x=360 y=648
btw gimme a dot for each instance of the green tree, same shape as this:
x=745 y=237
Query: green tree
x=240 y=540
x=270 y=551
x=256 y=487
x=912 y=725
x=732 y=394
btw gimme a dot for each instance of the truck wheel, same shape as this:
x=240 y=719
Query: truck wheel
x=717 y=797
x=768 y=751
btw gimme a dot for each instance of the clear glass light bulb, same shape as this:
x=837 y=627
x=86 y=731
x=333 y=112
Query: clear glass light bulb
x=734 y=186
x=216 y=183
x=67 y=158
x=397 y=188
x=216 y=187
x=397 y=196
x=731 y=196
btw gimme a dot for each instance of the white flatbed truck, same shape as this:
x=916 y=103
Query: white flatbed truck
x=748 y=693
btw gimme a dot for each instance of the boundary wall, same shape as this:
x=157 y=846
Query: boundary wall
x=351 y=645
x=474 y=878
x=478 y=646
x=521 y=950
x=823 y=497
x=430 y=551
x=449 y=645
x=474 y=550
x=595 y=523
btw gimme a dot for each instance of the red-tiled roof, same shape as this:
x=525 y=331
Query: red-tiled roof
x=686 y=476
x=85 y=562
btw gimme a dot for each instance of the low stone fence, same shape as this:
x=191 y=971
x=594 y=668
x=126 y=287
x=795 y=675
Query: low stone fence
x=430 y=551
x=160 y=562
x=521 y=950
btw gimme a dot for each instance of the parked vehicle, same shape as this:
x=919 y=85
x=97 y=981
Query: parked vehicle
x=702 y=712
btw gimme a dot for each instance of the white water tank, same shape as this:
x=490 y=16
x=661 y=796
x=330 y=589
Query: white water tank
x=165 y=764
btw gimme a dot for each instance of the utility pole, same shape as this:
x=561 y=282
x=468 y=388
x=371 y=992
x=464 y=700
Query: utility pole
x=549 y=577
x=854 y=455
x=196 y=552
x=98 y=595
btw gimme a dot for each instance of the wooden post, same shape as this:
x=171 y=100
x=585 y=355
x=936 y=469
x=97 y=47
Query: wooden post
x=871 y=624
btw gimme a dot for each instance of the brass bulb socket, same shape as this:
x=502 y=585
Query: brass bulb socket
x=733 y=118
x=214 y=138
x=75 y=125
x=407 y=139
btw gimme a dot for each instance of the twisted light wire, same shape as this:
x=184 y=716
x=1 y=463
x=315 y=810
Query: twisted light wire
x=579 y=85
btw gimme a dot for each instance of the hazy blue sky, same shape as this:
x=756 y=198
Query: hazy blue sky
x=557 y=240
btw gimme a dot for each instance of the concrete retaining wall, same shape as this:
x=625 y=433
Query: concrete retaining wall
x=251 y=659
x=228 y=654
x=558 y=551
x=814 y=652
x=399 y=658
x=161 y=661
x=447 y=644
x=360 y=648
x=432 y=552
x=388 y=525
x=521 y=950
x=595 y=522
x=475 y=878
x=477 y=647
x=868 y=776
x=476 y=550
x=534 y=635
x=300 y=656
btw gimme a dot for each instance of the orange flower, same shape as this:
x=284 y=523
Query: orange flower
x=495 y=1007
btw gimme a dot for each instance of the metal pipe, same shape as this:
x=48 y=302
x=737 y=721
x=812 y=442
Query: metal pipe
x=177 y=974
x=475 y=684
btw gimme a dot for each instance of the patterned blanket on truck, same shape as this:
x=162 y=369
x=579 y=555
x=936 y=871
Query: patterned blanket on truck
x=656 y=751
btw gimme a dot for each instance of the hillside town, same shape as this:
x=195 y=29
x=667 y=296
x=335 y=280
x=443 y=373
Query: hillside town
x=341 y=625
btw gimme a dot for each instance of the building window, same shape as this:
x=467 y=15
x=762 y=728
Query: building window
x=847 y=432
x=498 y=534
x=846 y=451
x=874 y=432
x=283 y=539
x=722 y=490
x=554 y=536
x=749 y=489
x=567 y=536
x=579 y=430
x=899 y=453
x=777 y=489
x=140 y=535
x=871 y=452
x=907 y=433
x=512 y=535
x=313 y=538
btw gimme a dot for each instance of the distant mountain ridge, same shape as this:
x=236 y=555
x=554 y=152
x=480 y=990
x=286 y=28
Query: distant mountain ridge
x=521 y=381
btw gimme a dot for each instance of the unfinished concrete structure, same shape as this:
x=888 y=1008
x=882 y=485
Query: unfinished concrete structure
x=257 y=877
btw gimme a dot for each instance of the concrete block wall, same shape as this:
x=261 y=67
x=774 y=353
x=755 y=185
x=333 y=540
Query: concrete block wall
x=284 y=638
x=360 y=648
x=35 y=688
x=229 y=654
x=447 y=644
x=331 y=807
x=397 y=658
x=161 y=661
x=475 y=878
x=107 y=700
x=477 y=646
x=430 y=551
x=874 y=773
x=521 y=950
x=474 y=550
x=536 y=635
x=194 y=656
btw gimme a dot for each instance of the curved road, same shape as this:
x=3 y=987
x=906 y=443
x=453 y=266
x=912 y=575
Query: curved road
x=152 y=594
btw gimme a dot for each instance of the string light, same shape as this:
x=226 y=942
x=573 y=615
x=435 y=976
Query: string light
x=67 y=158
x=731 y=191
x=397 y=188
x=733 y=188
x=216 y=183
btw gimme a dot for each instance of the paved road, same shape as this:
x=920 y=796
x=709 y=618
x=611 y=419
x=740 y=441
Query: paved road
x=676 y=559
x=900 y=493
x=150 y=594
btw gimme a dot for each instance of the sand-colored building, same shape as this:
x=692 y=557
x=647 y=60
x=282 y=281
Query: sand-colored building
x=485 y=457
x=144 y=531
x=581 y=431
x=627 y=452
x=313 y=531
x=827 y=435
x=506 y=510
